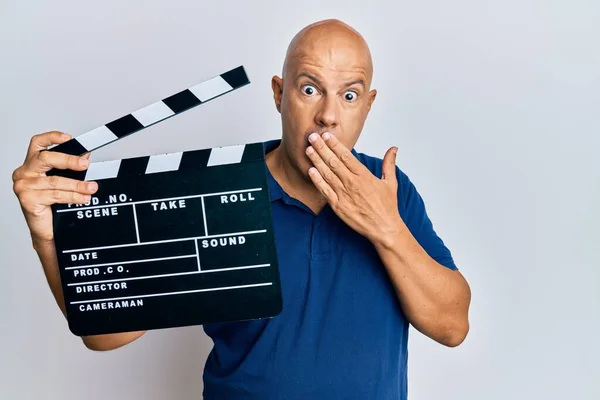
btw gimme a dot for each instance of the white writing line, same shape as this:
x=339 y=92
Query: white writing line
x=208 y=271
x=174 y=293
x=165 y=241
x=167 y=275
x=197 y=253
x=137 y=229
x=157 y=200
x=204 y=217
x=131 y=262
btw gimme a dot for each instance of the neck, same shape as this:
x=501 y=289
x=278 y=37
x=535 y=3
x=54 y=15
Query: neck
x=294 y=182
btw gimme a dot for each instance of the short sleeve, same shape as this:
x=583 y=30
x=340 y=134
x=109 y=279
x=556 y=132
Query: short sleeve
x=414 y=214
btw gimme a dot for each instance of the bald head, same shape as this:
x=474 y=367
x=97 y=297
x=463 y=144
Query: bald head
x=329 y=44
x=325 y=87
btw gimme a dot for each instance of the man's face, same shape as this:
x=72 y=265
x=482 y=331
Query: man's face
x=325 y=89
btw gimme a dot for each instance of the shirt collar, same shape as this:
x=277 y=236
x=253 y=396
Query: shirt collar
x=275 y=190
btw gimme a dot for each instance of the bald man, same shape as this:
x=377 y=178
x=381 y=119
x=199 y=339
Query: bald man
x=359 y=258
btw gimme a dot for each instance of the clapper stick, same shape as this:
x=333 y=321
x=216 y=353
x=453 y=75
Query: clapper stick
x=168 y=240
x=156 y=112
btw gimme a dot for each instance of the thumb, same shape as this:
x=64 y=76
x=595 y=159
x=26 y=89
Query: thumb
x=389 y=165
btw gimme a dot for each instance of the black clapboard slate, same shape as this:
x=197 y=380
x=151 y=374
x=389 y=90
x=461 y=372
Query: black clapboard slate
x=168 y=240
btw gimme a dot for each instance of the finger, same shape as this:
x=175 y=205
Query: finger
x=42 y=141
x=323 y=186
x=56 y=182
x=330 y=159
x=33 y=198
x=343 y=153
x=389 y=166
x=327 y=174
x=47 y=160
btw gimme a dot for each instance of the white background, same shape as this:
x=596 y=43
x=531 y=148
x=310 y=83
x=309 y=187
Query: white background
x=494 y=106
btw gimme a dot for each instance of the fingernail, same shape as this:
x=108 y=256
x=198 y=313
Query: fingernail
x=326 y=136
x=310 y=150
x=92 y=186
x=83 y=162
x=87 y=197
x=312 y=137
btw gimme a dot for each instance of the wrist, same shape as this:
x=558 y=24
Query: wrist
x=40 y=243
x=393 y=236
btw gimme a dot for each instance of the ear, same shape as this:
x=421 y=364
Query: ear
x=372 y=95
x=277 y=86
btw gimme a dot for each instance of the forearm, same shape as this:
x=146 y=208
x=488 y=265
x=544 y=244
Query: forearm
x=47 y=255
x=434 y=298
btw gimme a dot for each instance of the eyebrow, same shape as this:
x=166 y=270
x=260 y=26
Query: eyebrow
x=354 y=82
x=318 y=82
x=309 y=76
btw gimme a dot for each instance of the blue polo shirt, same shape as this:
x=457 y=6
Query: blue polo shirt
x=341 y=333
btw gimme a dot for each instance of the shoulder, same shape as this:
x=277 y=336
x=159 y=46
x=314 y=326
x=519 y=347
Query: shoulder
x=412 y=209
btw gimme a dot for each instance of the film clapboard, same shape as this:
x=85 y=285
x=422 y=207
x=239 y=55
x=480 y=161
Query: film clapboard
x=168 y=240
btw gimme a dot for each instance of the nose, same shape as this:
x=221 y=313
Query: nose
x=328 y=114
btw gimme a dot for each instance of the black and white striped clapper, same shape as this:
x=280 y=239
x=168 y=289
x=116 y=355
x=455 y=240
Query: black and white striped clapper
x=168 y=240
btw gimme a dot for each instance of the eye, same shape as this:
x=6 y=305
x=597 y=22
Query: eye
x=350 y=96
x=309 y=90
